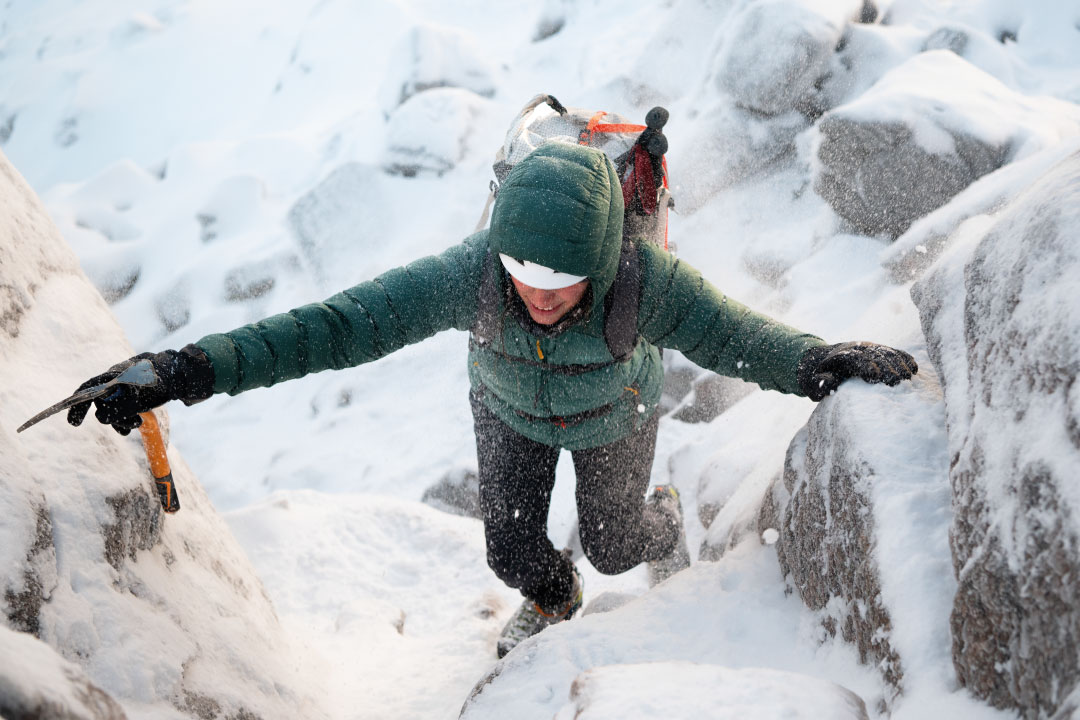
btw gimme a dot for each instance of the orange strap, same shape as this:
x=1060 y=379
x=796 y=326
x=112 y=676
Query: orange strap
x=154 y=445
x=594 y=126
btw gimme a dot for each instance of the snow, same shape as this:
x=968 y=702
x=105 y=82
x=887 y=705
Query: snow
x=212 y=163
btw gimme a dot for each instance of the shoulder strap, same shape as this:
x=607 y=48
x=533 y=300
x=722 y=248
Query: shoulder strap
x=487 y=326
x=621 y=304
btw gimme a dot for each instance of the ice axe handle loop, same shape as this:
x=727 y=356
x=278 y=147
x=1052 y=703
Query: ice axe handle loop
x=154 y=445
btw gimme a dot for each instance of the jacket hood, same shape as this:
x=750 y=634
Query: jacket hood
x=562 y=207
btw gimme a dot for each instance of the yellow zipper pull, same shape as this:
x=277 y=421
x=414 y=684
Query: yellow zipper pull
x=539 y=352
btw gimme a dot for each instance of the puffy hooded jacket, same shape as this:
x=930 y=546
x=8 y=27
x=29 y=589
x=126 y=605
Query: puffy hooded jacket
x=560 y=207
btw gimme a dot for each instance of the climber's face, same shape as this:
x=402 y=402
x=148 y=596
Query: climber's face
x=547 y=307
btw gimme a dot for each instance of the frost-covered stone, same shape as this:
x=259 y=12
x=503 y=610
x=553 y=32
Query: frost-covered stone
x=1002 y=320
x=35 y=682
x=690 y=691
x=827 y=539
x=863 y=513
x=775 y=51
x=907 y=146
x=164 y=612
x=435 y=57
x=430 y=131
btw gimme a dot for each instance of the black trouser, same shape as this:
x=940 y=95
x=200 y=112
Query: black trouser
x=618 y=531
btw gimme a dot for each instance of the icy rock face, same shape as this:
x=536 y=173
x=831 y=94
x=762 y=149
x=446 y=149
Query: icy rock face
x=430 y=57
x=1002 y=321
x=35 y=682
x=164 y=612
x=775 y=51
x=907 y=146
x=827 y=537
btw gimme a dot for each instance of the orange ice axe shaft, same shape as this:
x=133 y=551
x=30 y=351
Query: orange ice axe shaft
x=154 y=445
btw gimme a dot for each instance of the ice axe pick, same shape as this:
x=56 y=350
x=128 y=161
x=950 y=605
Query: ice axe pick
x=140 y=374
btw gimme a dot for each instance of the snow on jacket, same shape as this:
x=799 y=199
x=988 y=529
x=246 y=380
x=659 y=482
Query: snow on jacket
x=560 y=207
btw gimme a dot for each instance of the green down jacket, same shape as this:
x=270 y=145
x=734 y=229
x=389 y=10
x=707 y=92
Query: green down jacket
x=561 y=207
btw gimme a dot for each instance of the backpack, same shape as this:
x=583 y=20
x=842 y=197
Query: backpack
x=638 y=154
x=636 y=150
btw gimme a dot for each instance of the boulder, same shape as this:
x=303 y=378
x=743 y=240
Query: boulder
x=429 y=132
x=457 y=493
x=1002 y=321
x=862 y=514
x=827 y=540
x=774 y=52
x=907 y=146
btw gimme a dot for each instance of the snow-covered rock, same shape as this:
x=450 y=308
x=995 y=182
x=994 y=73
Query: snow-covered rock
x=726 y=618
x=333 y=217
x=431 y=130
x=690 y=691
x=865 y=488
x=430 y=56
x=775 y=51
x=162 y=613
x=907 y=146
x=1002 y=322
x=35 y=682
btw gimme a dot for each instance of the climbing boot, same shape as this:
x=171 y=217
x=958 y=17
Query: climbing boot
x=664 y=499
x=530 y=618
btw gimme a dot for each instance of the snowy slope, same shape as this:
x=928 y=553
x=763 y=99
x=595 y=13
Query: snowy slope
x=211 y=163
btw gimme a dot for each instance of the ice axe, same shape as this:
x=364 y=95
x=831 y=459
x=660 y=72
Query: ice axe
x=141 y=374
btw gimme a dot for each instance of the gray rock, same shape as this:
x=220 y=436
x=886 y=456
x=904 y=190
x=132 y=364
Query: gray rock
x=458 y=493
x=710 y=395
x=877 y=176
x=1003 y=327
x=333 y=217
x=827 y=537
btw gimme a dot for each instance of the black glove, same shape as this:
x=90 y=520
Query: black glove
x=822 y=369
x=182 y=375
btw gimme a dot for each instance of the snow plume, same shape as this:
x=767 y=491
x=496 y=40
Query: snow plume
x=162 y=613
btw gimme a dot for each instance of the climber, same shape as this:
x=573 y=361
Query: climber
x=567 y=319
